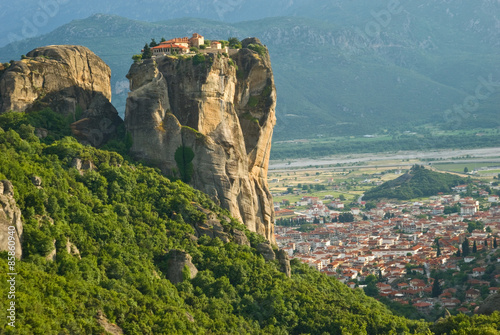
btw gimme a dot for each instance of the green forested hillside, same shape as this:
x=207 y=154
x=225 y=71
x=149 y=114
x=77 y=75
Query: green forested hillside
x=418 y=182
x=124 y=218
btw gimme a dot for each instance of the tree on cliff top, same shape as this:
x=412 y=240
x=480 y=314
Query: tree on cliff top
x=147 y=53
x=234 y=43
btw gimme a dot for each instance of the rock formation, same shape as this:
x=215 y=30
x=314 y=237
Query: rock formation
x=284 y=262
x=109 y=327
x=178 y=262
x=240 y=238
x=10 y=220
x=209 y=121
x=266 y=250
x=68 y=79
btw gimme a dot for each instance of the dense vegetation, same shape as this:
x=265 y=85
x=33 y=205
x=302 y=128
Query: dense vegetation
x=123 y=218
x=418 y=182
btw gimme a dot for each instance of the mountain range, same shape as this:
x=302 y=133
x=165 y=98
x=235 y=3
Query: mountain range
x=341 y=68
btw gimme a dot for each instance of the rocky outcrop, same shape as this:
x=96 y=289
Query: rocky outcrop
x=53 y=253
x=109 y=327
x=240 y=238
x=209 y=122
x=284 y=262
x=68 y=79
x=11 y=226
x=72 y=249
x=211 y=227
x=37 y=181
x=178 y=262
x=266 y=250
x=490 y=305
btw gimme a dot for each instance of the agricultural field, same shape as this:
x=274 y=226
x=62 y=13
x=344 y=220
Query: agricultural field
x=351 y=176
x=471 y=166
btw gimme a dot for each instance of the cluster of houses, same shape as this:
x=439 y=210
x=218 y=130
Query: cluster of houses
x=396 y=239
x=183 y=45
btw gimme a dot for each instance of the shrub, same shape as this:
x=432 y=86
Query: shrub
x=184 y=157
x=137 y=58
x=253 y=101
x=260 y=49
x=234 y=43
x=198 y=59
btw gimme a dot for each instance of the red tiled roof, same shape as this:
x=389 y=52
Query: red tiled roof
x=170 y=45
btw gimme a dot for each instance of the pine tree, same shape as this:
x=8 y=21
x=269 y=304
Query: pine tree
x=495 y=243
x=438 y=251
x=474 y=247
x=459 y=254
x=436 y=288
x=465 y=247
x=147 y=53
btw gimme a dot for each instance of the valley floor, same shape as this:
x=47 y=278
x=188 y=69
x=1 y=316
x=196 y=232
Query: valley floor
x=447 y=155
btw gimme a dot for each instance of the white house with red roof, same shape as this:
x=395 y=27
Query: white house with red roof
x=177 y=45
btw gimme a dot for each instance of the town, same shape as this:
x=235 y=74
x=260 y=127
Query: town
x=397 y=250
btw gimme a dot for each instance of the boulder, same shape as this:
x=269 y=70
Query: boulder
x=240 y=237
x=37 y=181
x=266 y=250
x=72 y=249
x=109 y=327
x=76 y=163
x=178 y=261
x=284 y=262
x=53 y=254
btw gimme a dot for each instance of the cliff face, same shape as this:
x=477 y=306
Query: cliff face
x=65 y=78
x=10 y=220
x=209 y=122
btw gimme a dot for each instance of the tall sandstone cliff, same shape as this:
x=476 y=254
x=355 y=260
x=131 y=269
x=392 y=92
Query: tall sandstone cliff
x=10 y=220
x=210 y=123
x=66 y=78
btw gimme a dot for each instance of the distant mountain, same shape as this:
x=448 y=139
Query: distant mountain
x=29 y=18
x=418 y=182
x=345 y=68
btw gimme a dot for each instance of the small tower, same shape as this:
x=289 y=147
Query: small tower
x=196 y=40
